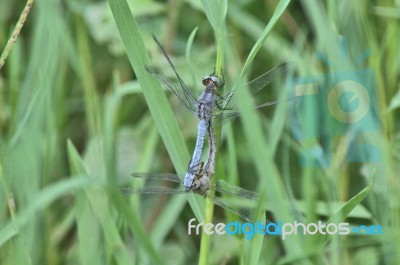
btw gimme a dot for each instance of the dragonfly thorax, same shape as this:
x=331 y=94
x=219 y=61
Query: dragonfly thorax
x=205 y=104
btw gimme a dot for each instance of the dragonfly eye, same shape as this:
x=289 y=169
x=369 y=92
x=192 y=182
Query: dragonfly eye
x=215 y=80
x=206 y=80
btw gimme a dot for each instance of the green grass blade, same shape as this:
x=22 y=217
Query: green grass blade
x=261 y=153
x=157 y=102
x=346 y=209
x=94 y=217
x=40 y=202
x=216 y=14
x=336 y=218
x=215 y=11
x=281 y=7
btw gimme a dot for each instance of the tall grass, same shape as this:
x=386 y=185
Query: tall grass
x=79 y=113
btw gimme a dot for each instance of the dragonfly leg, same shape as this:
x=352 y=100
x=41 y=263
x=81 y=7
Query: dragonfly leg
x=220 y=107
x=195 y=168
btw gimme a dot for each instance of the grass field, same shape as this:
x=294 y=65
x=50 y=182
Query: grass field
x=79 y=113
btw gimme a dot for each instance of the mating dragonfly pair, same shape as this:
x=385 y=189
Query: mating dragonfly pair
x=211 y=109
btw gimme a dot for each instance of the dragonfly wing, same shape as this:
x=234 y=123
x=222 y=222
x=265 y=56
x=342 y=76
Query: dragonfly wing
x=151 y=190
x=184 y=95
x=226 y=102
x=257 y=84
x=184 y=90
x=168 y=177
x=225 y=187
x=221 y=117
x=265 y=79
x=245 y=213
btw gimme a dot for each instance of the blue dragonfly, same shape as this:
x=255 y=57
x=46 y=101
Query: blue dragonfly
x=210 y=108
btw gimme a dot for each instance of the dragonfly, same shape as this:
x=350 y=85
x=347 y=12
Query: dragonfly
x=211 y=108
x=201 y=186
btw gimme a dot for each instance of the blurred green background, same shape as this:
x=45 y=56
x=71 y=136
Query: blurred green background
x=77 y=117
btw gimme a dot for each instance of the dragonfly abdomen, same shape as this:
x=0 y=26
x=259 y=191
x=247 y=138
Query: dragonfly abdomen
x=195 y=162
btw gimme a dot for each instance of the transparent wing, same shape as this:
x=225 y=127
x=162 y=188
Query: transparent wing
x=221 y=186
x=265 y=79
x=245 y=213
x=227 y=115
x=129 y=190
x=182 y=91
x=151 y=190
x=225 y=187
x=257 y=84
x=168 y=177
x=184 y=95
x=226 y=102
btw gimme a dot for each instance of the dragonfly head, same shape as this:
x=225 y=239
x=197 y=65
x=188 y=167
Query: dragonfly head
x=212 y=82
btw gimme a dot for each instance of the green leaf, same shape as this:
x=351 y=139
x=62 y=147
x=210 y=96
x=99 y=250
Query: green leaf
x=281 y=7
x=395 y=102
x=346 y=210
x=93 y=219
x=157 y=102
x=42 y=200
x=336 y=218
x=215 y=11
